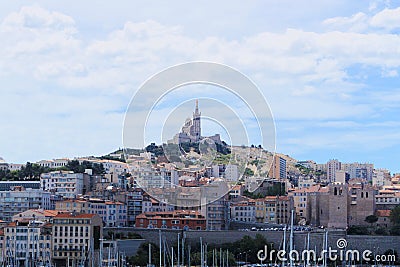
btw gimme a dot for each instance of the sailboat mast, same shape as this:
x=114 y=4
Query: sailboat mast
x=205 y=255
x=308 y=248
x=109 y=255
x=201 y=253
x=213 y=260
x=178 y=263
x=101 y=252
x=172 y=256
x=326 y=248
x=149 y=254
x=189 y=263
x=220 y=257
x=165 y=252
x=160 y=246
x=284 y=243
x=183 y=249
x=291 y=239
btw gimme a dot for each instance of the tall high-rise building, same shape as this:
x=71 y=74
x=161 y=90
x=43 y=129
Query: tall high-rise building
x=278 y=168
x=331 y=167
x=359 y=170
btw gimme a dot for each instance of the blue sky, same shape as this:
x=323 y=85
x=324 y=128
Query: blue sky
x=328 y=69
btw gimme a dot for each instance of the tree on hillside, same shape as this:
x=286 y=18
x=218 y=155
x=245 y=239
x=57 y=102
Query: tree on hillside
x=77 y=167
x=395 y=215
x=371 y=219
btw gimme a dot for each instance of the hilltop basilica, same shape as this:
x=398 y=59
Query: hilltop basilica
x=191 y=130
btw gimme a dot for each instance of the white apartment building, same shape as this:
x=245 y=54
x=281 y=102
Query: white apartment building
x=381 y=177
x=305 y=182
x=64 y=183
x=53 y=163
x=110 y=166
x=21 y=199
x=112 y=213
x=216 y=214
x=150 y=204
x=359 y=170
x=116 y=213
x=3 y=164
x=331 y=167
x=27 y=243
x=243 y=211
x=15 y=166
x=387 y=198
x=231 y=173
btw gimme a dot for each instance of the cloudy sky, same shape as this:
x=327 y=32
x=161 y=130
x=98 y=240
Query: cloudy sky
x=328 y=69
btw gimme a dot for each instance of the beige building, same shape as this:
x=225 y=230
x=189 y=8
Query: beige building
x=260 y=212
x=273 y=209
x=35 y=214
x=300 y=197
x=284 y=207
x=113 y=213
x=76 y=238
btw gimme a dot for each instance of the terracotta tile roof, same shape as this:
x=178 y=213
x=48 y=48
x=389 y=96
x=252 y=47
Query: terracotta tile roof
x=383 y=213
x=324 y=190
x=51 y=213
x=283 y=198
x=237 y=187
x=77 y=215
x=114 y=203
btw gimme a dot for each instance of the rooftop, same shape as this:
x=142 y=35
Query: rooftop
x=69 y=215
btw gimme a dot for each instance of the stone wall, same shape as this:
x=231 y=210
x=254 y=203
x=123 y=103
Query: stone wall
x=377 y=244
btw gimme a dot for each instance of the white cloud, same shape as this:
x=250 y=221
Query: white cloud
x=304 y=74
x=356 y=23
x=388 y=19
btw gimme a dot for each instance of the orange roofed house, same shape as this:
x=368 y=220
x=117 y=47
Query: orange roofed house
x=178 y=219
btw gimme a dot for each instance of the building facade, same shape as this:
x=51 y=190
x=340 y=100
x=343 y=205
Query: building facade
x=64 y=183
x=21 y=199
x=178 y=219
x=76 y=238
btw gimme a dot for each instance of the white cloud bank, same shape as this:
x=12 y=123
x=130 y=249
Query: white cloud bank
x=54 y=73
